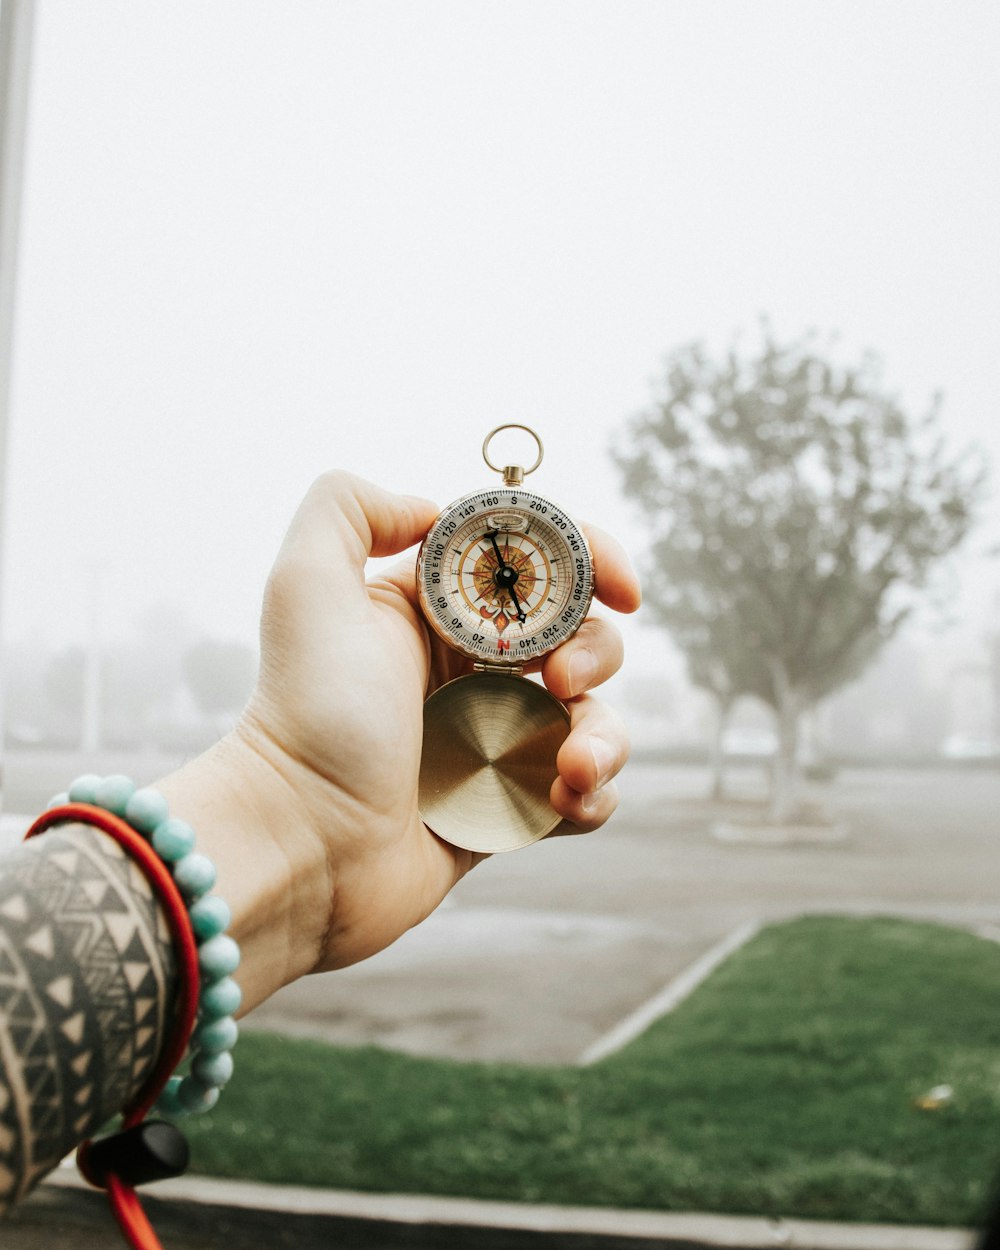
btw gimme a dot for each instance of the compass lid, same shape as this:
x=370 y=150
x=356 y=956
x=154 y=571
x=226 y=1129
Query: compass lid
x=489 y=759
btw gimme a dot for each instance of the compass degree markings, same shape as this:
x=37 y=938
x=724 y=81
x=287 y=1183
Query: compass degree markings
x=546 y=580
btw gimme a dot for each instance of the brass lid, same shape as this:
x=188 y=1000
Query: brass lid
x=489 y=760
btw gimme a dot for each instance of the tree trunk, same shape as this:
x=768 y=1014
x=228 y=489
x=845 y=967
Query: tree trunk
x=785 y=790
x=718 y=754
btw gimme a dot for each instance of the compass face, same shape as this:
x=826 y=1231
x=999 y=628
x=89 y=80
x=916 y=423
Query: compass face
x=504 y=576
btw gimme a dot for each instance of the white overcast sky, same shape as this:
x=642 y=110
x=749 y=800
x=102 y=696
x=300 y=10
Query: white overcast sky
x=262 y=238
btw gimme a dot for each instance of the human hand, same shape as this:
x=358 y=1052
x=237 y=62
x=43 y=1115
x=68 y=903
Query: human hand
x=329 y=746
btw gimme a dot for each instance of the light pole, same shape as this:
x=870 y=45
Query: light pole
x=17 y=20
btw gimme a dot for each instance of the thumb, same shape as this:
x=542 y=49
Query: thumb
x=345 y=518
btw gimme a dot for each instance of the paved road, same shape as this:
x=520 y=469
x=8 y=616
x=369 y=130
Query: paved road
x=539 y=953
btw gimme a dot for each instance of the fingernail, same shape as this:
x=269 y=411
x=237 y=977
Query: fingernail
x=604 y=760
x=582 y=670
x=589 y=801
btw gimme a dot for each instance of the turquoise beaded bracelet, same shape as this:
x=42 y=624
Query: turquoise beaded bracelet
x=216 y=1031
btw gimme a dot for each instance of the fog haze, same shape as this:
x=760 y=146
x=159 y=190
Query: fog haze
x=261 y=240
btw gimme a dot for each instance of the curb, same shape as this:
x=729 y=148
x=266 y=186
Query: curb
x=670 y=997
x=779 y=835
x=317 y=1218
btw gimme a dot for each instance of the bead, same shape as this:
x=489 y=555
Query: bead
x=194 y=874
x=168 y=1102
x=84 y=789
x=221 y=998
x=218 y=957
x=173 y=839
x=209 y=916
x=211 y=1036
x=193 y=1096
x=146 y=809
x=58 y=800
x=213 y=1069
x=114 y=792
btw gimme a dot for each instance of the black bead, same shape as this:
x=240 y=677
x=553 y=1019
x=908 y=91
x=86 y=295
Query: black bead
x=152 y=1151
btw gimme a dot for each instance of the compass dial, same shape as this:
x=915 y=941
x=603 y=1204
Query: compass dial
x=504 y=576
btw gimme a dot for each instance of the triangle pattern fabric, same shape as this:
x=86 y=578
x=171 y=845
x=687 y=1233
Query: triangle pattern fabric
x=84 y=958
x=14 y=908
x=61 y=991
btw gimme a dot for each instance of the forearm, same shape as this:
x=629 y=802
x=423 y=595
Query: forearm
x=87 y=983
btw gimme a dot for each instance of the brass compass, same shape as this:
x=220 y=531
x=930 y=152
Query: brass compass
x=504 y=576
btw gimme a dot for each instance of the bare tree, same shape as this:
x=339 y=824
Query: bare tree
x=794 y=507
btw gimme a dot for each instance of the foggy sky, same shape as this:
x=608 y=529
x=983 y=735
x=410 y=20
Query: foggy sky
x=263 y=239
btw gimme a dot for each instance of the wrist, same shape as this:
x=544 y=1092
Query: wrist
x=272 y=870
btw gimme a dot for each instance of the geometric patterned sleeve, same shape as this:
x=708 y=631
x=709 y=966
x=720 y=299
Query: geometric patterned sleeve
x=87 y=987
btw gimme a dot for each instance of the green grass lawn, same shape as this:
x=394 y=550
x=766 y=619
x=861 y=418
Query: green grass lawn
x=784 y=1086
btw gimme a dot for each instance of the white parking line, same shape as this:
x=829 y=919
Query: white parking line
x=669 y=997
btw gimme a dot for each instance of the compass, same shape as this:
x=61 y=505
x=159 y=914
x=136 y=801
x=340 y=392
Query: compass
x=504 y=576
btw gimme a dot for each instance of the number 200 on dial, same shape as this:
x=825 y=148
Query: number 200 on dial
x=504 y=576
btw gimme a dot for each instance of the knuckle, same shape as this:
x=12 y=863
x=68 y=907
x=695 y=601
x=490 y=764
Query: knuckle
x=333 y=485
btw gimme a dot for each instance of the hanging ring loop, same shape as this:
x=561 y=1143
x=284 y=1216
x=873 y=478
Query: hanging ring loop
x=506 y=469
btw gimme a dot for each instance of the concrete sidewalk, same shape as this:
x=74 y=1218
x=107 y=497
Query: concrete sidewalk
x=199 y=1214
